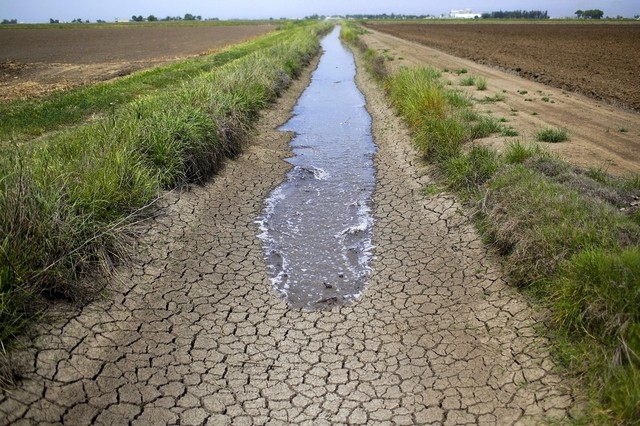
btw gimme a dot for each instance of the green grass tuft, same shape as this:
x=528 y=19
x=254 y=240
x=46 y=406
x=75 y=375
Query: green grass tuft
x=517 y=152
x=552 y=135
x=481 y=83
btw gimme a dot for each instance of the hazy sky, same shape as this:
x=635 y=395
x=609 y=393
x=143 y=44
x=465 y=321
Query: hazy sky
x=108 y=10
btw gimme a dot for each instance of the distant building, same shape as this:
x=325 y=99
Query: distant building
x=463 y=14
x=122 y=20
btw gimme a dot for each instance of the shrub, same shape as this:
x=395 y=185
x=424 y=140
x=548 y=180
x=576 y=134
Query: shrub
x=552 y=135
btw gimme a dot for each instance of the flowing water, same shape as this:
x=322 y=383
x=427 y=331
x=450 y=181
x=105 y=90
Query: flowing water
x=316 y=227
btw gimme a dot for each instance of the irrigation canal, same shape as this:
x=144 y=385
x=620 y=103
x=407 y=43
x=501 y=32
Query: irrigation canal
x=317 y=225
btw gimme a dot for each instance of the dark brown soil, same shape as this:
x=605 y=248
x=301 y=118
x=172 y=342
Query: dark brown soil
x=599 y=60
x=37 y=61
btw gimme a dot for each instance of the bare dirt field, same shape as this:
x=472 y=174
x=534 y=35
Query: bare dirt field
x=36 y=61
x=598 y=60
x=601 y=135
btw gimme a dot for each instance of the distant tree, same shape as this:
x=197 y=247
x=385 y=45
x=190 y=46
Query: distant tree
x=593 y=14
x=54 y=21
x=101 y=21
x=579 y=13
x=189 y=17
x=152 y=18
x=138 y=18
x=9 y=21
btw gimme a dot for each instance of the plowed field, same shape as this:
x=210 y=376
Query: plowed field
x=35 y=61
x=598 y=60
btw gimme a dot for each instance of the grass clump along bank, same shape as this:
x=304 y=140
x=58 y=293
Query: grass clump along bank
x=569 y=237
x=67 y=198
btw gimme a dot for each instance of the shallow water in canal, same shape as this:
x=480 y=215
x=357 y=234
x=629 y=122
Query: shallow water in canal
x=316 y=227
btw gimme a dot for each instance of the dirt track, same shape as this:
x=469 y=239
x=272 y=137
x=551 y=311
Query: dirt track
x=598 y=60
x=600 y=136
x=194 y=333
x=37 y=61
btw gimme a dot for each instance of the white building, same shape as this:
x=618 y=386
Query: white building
x=463 y=14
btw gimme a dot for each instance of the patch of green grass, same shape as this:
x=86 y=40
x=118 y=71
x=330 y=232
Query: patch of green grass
x=596 y=302
x=432 y=189
x=468 y=81
x=509 y=131
x=517 y=152
x=565 y=223
x=467 y=172
x=623 y=130
x=522 y=92
x=483 y=127
x=552 y=135
x=461 y=71
x=481 y=83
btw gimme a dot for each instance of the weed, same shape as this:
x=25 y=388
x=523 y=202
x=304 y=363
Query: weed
x=623 y=130
x=492 y=99
x=481 y=83
x=545 y=99
x=552 y=135
x=431 y=189
x=461 y=71
x=517 y=152
x=535 y=113
x=468 y=81
x=483 y=127
x=466 y=172
x=509 y=132
x=522 y=92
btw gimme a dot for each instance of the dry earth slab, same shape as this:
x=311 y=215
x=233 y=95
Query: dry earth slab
x=194 y=334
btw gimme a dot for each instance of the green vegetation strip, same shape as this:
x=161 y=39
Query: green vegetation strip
x=67 y=199
x=34 y=117
x=570 y=237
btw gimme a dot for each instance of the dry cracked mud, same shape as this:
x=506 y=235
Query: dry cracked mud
x=192 y=333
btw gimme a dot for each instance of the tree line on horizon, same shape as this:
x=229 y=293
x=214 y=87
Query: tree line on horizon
x=516 y=14
x=589 y=14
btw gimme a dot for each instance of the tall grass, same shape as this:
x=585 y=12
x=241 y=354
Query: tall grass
x=568 y=236
x=66 y=200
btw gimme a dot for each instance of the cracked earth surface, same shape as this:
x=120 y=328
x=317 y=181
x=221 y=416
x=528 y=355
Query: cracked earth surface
x=194 y=334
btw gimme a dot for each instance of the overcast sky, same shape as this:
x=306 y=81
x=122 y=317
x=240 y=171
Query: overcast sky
x=108 y=10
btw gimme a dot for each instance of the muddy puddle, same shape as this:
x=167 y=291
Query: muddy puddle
x=316 y=227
